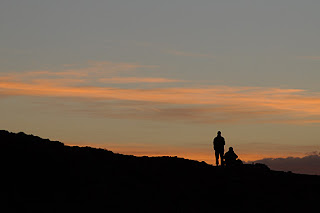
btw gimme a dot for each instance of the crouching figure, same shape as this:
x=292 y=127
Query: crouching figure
x=230 y=158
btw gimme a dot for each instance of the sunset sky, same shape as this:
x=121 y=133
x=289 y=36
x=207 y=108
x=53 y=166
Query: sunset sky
x=152 y=78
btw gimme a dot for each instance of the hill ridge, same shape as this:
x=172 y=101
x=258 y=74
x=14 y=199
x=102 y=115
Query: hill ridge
x=48 y=176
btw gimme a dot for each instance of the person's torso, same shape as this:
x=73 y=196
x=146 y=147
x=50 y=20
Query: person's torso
x=218 y=142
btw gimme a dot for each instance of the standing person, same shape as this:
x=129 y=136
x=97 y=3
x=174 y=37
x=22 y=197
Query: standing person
x=218 y=146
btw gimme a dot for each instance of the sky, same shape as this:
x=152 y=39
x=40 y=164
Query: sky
x=155 y=78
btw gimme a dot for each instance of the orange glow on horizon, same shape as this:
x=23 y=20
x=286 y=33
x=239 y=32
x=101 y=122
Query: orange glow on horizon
x=197 y=154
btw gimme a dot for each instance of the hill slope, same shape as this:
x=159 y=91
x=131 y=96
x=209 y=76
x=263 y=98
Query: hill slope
x=46 y=176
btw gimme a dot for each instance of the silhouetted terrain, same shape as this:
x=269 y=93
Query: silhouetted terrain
x=309 y=164
x=40 y=175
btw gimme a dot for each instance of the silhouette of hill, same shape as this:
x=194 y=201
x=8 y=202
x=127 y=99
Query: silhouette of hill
x=40 y=175
x=309 y=164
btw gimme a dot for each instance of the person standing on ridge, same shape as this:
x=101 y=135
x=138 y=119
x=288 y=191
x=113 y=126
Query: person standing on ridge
x=218 y=146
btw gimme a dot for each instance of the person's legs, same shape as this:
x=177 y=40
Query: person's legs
x=222 y=160
x=217 y=157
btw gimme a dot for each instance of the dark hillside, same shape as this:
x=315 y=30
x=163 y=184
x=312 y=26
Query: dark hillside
x=40 y=175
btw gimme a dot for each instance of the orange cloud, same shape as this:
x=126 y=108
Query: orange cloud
x=102 y=68
x=203 y=104
x=232 y=96
x=94 y=69
x=218 y=103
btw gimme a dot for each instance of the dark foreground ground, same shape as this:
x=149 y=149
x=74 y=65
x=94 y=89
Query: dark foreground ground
x=38 y=175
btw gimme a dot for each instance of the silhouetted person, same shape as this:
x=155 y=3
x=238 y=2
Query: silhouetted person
x=218 y=146
x=231 y=158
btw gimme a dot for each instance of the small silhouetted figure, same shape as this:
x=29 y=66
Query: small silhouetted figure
x=231 y=158
x=218 y=146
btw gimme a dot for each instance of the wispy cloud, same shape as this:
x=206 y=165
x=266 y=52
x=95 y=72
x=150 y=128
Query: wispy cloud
x=206 y=104
x=92 y=70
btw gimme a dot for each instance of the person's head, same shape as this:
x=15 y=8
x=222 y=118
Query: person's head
x=219 y=133
x=230 y=149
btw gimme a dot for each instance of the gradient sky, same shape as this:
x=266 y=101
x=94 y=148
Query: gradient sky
x=162 y=77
